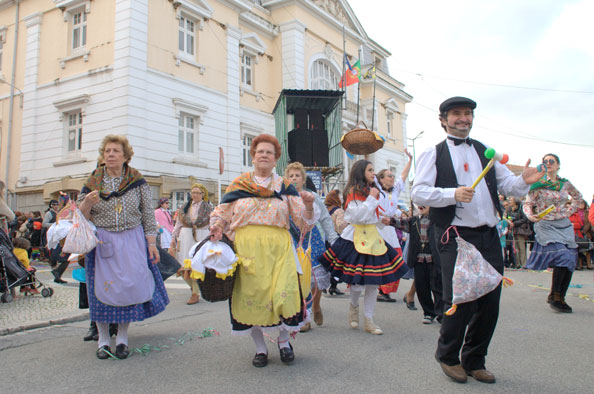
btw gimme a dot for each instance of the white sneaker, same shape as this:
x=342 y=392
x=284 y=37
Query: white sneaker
x=428 y=319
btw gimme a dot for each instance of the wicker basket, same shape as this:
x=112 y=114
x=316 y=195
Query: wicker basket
x=361 y=141
x=214 y=289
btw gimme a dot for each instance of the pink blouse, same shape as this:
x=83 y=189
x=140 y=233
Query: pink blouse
x=263 y=211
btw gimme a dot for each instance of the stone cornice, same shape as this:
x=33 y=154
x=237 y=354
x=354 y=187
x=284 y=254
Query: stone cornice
x=261 y=24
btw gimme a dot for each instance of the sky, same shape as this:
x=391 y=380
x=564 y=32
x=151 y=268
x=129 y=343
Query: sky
x=528 y=64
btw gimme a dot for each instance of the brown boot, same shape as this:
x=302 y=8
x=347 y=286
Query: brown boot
x=194 y=299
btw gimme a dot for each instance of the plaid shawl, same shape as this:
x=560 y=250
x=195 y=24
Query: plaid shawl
x=132 y=179
x=244 y=186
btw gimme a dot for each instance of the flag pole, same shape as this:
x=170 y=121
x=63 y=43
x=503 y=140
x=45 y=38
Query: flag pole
x=358 y=90
x=373 y=110
x=343 y=76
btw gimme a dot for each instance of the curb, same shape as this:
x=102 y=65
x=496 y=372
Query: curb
x=41 y=324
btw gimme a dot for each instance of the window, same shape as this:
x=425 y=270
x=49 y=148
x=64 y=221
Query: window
x=79 y=29
x=322 y=76
x=179 y=199
x=187 y=36
x=389 y=118
x=187 y=134
x=247 y=71
x=247 y=143
x=74 y=132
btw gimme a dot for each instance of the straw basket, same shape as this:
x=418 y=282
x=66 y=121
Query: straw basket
x=361 y=141
x=215 y=289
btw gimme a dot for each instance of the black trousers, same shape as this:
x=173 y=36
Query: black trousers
x=471 y=328
x=428 y=283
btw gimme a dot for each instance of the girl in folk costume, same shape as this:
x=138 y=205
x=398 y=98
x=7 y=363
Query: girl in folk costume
x=361 y=257
x=391 y=189
x=191 y=226
x=164 y=221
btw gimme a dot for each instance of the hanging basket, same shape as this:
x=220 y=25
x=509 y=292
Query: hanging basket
x=362 y=141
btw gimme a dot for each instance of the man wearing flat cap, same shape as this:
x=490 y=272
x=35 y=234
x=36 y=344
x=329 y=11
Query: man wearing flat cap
x=443 y=180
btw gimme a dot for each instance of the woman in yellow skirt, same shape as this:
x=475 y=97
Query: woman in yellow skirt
x=254 y=213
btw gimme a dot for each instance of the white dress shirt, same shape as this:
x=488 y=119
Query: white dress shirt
x=467 y=166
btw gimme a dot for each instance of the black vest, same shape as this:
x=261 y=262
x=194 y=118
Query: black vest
x=446 y=178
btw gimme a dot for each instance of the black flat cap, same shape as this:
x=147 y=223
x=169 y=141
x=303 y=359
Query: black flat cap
x=454 y=102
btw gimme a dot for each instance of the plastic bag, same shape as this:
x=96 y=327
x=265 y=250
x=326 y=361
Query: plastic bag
x=57 y=232
x=81 y=238
x=473 y=275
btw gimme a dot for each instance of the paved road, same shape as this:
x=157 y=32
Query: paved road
x=534 y=351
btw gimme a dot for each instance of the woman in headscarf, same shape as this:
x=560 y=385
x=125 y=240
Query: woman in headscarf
x=191 y=227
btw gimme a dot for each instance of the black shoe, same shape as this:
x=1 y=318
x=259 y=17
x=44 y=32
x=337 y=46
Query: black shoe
x=113 y=329
x=560 y=306
x=385 y=298
x=260 y=360
x=409 y=305
x=286 y=354
x=92 y=334
x=102 y=352
x=122 y=351
x=335 y=291
x=60 y=281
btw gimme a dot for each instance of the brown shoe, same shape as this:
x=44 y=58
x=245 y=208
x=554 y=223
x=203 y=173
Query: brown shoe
x=193 y=299
x=454 y=372
x=482 y=375
x=318 y=317
x=305 y=328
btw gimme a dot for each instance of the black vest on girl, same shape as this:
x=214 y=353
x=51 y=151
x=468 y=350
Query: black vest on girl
x=446 y=178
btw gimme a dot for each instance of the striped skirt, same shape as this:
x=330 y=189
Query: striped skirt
x=349 y=266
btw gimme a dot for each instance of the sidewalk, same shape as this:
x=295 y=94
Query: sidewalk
x=30 y=312
x=25 y=313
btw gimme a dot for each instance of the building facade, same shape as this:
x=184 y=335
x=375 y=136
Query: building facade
x=189 y=82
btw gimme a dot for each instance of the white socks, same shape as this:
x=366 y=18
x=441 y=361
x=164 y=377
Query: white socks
x=283 y=339
x=258 y=338
x=369 y=299
x=104 y=337
x=122 y=336
x=103 y=329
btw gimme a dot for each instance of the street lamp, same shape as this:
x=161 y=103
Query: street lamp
x=3 y=80
x=413 y=144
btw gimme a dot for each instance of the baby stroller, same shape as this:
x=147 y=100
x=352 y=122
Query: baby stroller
x=13 y=273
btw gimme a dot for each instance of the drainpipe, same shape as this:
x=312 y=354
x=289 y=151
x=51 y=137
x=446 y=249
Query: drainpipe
x=11 y=102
